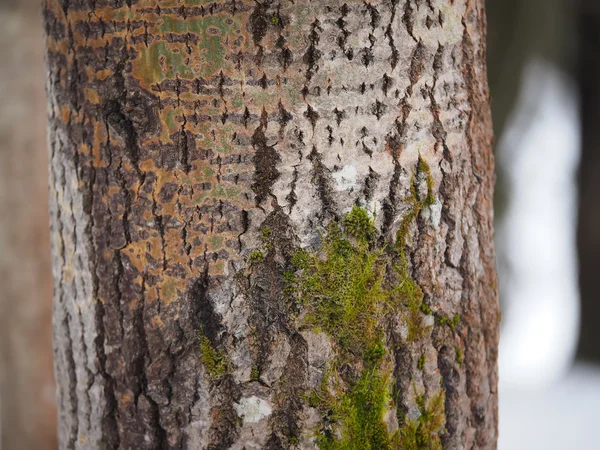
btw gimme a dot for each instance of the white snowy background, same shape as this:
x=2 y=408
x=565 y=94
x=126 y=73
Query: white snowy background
x=546 y=402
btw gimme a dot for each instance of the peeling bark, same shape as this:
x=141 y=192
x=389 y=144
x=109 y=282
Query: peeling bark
x=196 y=147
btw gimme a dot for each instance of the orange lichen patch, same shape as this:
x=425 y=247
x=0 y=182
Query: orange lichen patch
x=92 y=96
x=136 y=253
x=127 y=398
x=148 y=165
x=172 y=119
x=157 y=322
x=103 y=74
x=218 y=268
x=132 y=305
x=99 y=140
x=114 y=190
x=83 y=149
x=151 y=295
x=153 y=248
x=65 y=113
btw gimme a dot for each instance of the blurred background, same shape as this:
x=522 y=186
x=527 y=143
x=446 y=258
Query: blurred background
x=544 y=75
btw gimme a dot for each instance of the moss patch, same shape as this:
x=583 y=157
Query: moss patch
x=354 y=288
x=256 y=257
x=348 y=290
x=451 y=322
x=215 y=362
x=423 y=169
x=460 y=357
x=424 y=433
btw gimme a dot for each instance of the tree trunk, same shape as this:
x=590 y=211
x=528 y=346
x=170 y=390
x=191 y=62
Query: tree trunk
x=272 y=224
x=588 y=220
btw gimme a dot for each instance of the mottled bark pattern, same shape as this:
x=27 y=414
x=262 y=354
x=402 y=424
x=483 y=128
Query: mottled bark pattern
x=186 y=134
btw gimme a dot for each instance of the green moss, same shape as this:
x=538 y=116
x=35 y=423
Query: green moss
x=455 y=320
x=358 y=224
x=347 y=290
x=425 y=309
x=412 y=295
x=266 y=233
x=300 y=259
x=215 y=362
x=423 y=168
x=424 y=432
x=254 y=373
x=361 y=413
x=421 y=362
x=451 y=322
x=460 y=357
x=289 y=280
x=256 y=257
x=343 y=294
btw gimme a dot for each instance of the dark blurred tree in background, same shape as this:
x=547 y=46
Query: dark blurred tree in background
x=588 y=230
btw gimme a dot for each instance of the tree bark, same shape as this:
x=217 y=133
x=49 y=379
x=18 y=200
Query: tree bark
x=272 y=224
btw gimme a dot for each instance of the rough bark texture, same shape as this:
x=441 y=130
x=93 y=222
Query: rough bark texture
x=27 y=408
x=203 y=154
